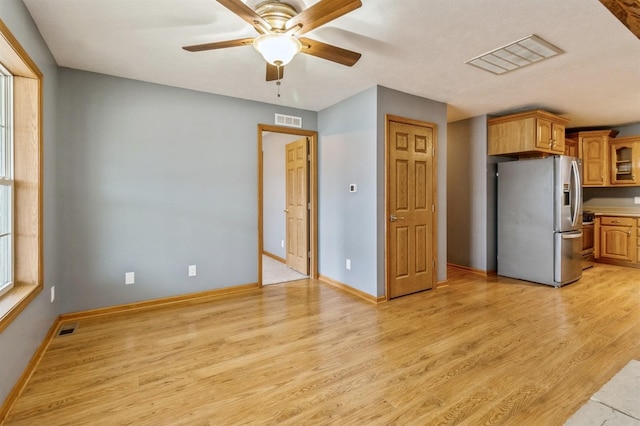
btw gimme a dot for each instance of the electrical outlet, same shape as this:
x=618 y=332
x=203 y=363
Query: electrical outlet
x=129 y=278
x=282 y=243
x=192 y=270
x=636 y=200
x=348 y=264
x=53 y=293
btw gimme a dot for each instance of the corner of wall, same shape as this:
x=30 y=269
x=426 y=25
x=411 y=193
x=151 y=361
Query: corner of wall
x=401 y=104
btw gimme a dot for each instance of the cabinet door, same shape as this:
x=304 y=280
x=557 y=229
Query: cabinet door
x=593 y=161
x=617 y=242
x=544 y=134
x=638 y=241
x=623 y=163
x=571 y=147
x=587 y=237
x=557 y=138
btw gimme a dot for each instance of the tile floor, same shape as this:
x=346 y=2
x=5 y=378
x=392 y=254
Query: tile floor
x=274 y=272
x=617 y=403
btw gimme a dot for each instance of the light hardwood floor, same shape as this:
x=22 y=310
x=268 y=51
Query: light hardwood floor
x=481 y=351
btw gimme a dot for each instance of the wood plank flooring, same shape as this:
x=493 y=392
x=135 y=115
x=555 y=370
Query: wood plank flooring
x=482 y=351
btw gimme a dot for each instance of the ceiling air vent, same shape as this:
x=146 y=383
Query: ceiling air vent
x=513 y=56
x=288 y=120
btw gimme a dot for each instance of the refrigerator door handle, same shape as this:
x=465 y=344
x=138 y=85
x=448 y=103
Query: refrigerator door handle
x=575 y=189
x=572 y=236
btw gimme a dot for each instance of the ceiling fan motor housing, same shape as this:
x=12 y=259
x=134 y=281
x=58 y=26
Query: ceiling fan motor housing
x=276 y=13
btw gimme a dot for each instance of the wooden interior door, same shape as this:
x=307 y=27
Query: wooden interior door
x=410 y=207
x=297 y=211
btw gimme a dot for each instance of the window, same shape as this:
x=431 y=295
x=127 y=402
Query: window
x=21 y=266
x=6 y=181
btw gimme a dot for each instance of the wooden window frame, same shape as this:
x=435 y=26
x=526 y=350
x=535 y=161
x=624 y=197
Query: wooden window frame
x=6 y=181
x=27 y=213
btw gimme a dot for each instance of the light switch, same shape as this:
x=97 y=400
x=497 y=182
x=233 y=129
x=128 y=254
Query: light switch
x=353 y=187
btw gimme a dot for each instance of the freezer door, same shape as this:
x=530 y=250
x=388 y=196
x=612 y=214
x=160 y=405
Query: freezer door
x=567 y=194
x=567 y=258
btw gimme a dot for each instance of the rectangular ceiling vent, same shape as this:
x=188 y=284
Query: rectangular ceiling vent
x=513 y=56
x=288 y=120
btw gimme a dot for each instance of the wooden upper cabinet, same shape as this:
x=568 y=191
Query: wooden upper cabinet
x=571 y=146
x=625 y=161
x=592 y=149
x=527 y=134
x=550 y=135
x=558 y=135
x=594 y=161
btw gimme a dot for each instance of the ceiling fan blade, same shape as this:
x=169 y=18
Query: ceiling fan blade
x=272 y=72
x=329 y=52
x=247 y=14
x=219 y=45
x=626 y=12
x=319 y=14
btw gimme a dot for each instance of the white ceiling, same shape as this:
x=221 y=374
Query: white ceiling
x=414 y=46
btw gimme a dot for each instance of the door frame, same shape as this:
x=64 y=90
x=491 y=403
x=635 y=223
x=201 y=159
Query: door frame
x=313 y=194
x=434 y=193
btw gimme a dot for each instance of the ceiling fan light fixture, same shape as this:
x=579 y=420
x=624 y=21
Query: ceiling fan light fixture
x=277 y=49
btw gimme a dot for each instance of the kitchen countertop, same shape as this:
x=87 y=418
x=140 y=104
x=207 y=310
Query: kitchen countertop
x=614 y=211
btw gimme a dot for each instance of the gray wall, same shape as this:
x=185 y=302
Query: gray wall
x=153 y=179
x=628 y=130
x=20 y=340
x=347 y=221
x=492 y=209
x=610 y=197
x=409 y=106
x=274 y=191
x=472 y=196
x=467 y=194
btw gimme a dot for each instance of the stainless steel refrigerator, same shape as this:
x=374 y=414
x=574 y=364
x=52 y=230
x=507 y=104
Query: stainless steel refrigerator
x=540 y=220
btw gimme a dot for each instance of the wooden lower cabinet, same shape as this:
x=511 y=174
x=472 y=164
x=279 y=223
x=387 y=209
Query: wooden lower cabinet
x=616 y=243
x=638 y=242
x=587 y=237
x=617 y=239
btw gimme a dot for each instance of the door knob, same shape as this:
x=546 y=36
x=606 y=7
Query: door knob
x=394 y=218
x=286 y=210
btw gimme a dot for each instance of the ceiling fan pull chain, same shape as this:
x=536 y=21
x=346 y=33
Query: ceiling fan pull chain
x=278 y=81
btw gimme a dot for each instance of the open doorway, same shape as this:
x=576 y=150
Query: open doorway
x=287 y=227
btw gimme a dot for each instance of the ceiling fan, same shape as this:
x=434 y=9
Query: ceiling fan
x=280 y=25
